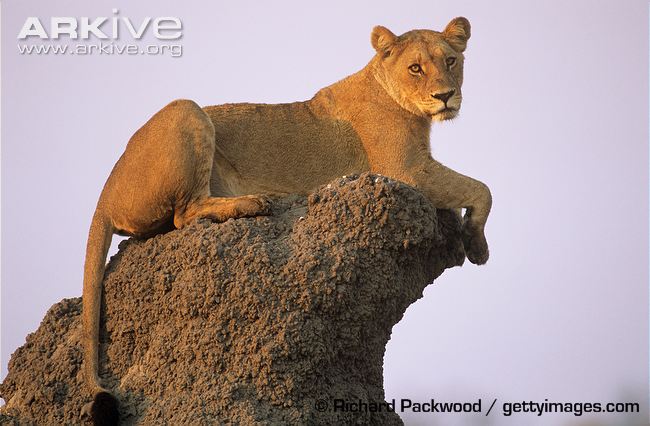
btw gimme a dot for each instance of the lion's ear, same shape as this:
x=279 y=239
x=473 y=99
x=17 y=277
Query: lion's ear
x=457 y=32
x=382 y=39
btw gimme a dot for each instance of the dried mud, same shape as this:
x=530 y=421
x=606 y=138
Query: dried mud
x=261 y=320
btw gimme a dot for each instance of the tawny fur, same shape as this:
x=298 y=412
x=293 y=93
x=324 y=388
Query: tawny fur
x=189 y=162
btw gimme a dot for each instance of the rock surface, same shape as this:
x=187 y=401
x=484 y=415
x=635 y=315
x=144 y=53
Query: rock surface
x=262 y=320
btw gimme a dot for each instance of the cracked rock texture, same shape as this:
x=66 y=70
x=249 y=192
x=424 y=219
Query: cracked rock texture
x=262 y=320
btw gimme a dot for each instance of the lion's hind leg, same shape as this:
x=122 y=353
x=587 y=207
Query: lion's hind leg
x=221 y=209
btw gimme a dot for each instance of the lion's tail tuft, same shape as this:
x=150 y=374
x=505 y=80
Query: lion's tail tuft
x=104 y=411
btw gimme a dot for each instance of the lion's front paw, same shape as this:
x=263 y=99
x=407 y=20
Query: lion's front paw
x=476 y=246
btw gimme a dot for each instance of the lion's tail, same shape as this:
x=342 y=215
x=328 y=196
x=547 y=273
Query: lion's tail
x=104 y=409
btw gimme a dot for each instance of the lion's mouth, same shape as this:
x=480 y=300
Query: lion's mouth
x=446 y=111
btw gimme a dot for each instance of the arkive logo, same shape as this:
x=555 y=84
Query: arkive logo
x=102 y=28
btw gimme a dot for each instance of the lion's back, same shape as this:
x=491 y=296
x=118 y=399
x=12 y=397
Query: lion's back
x=281 y=147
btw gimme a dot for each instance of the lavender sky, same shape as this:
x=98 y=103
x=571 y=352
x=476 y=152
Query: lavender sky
x=554 y=120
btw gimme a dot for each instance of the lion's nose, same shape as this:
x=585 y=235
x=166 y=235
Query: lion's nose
x=444 y=96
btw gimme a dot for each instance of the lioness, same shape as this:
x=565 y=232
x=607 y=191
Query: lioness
x=216 y=162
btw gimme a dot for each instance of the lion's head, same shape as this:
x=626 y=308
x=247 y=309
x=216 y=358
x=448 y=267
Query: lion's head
x=422 y=70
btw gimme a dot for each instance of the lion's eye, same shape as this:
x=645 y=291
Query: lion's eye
x=451 y=61
x=415 y=69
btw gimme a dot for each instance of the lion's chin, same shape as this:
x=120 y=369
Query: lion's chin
x=445 y=114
